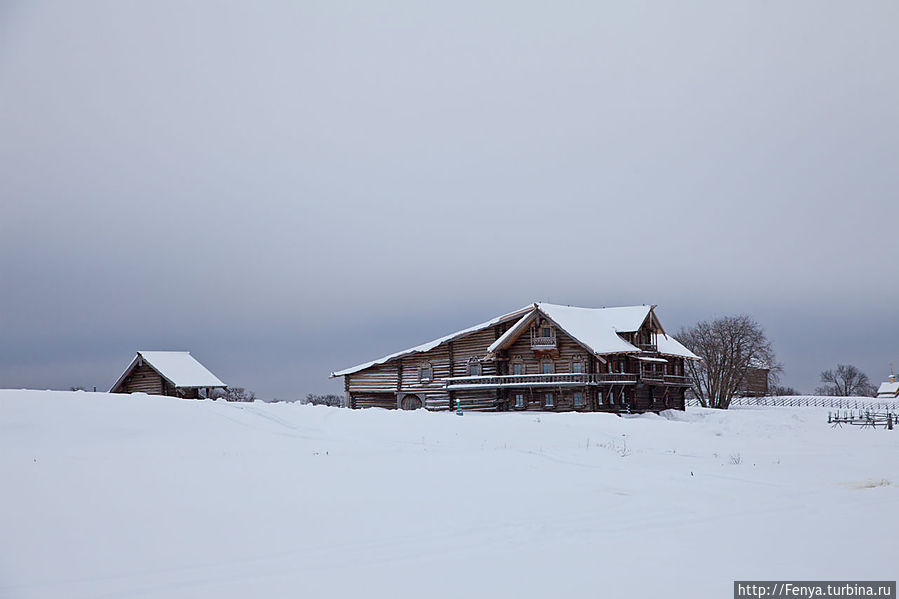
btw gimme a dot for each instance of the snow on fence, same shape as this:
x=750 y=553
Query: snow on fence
x=812 y=401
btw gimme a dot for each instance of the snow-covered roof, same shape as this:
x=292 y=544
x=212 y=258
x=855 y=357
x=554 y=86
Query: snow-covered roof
x=888 y=389
x=177 y=367
x=598 y=328
x=595 y=328
x=432 y=344
x=669 y=346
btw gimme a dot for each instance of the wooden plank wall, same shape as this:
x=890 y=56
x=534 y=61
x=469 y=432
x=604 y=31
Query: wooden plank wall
x=432 y=394
x=143 y=379
x=380 y=378
x=374 y=400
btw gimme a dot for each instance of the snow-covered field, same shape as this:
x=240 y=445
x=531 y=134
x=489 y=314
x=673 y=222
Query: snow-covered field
x=138 y=496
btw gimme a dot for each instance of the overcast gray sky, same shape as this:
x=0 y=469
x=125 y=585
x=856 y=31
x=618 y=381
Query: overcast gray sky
x=289 y=188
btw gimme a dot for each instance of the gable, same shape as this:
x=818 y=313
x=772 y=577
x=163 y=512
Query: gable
x=178 y=368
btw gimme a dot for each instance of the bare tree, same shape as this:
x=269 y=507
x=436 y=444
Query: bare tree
x=727 y=346
x=781 y=390
x=844 y=381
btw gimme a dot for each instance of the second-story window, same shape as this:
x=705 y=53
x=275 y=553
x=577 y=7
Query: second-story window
x=547 y=367
x=424 y=374
x=474 y=367
x=518 y=368
x=577 y=367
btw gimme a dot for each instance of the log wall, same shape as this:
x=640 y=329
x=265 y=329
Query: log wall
x=143 y=379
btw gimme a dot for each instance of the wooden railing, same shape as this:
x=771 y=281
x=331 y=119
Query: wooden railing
x=543 y=342
x=650 y=347
x=540 y=380
x=616 y=377
x=671 y=379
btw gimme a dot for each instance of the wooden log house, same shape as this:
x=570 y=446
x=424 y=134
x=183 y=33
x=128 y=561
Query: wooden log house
x=173 y=373
x=543 y=357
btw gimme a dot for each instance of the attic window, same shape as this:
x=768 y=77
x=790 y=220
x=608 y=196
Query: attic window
x=546 y=332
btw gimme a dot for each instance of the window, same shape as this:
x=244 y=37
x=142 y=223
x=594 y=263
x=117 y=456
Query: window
x=578 y=399
x=518 y=368
x=548 y=368
x=599 y=397
x=474 y=367
x=611 y=398
x=546 y=332
x=424 y=374
x=577 y=367
x=548 y=400
x=519 y=400
x=621 y=366
x=622 y=397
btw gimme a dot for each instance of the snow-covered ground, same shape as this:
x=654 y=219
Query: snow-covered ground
x=138 y=496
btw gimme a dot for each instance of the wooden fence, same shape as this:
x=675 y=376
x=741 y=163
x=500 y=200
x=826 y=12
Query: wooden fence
x=813 y=401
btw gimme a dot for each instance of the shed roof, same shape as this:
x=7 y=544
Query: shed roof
x=177 y=367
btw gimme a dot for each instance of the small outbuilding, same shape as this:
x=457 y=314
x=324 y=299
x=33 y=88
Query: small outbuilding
x=173 y=373
x=889 y=389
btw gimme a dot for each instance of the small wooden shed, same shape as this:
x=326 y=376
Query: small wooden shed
x=173 y=373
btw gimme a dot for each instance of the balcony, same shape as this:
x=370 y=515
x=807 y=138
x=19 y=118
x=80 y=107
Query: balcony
x=539 y=380
x=647 y=347
x=543 y=342
x=678 y=381
x=653 y=377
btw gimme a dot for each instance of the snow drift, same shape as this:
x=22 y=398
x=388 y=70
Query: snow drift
x=124 y=496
